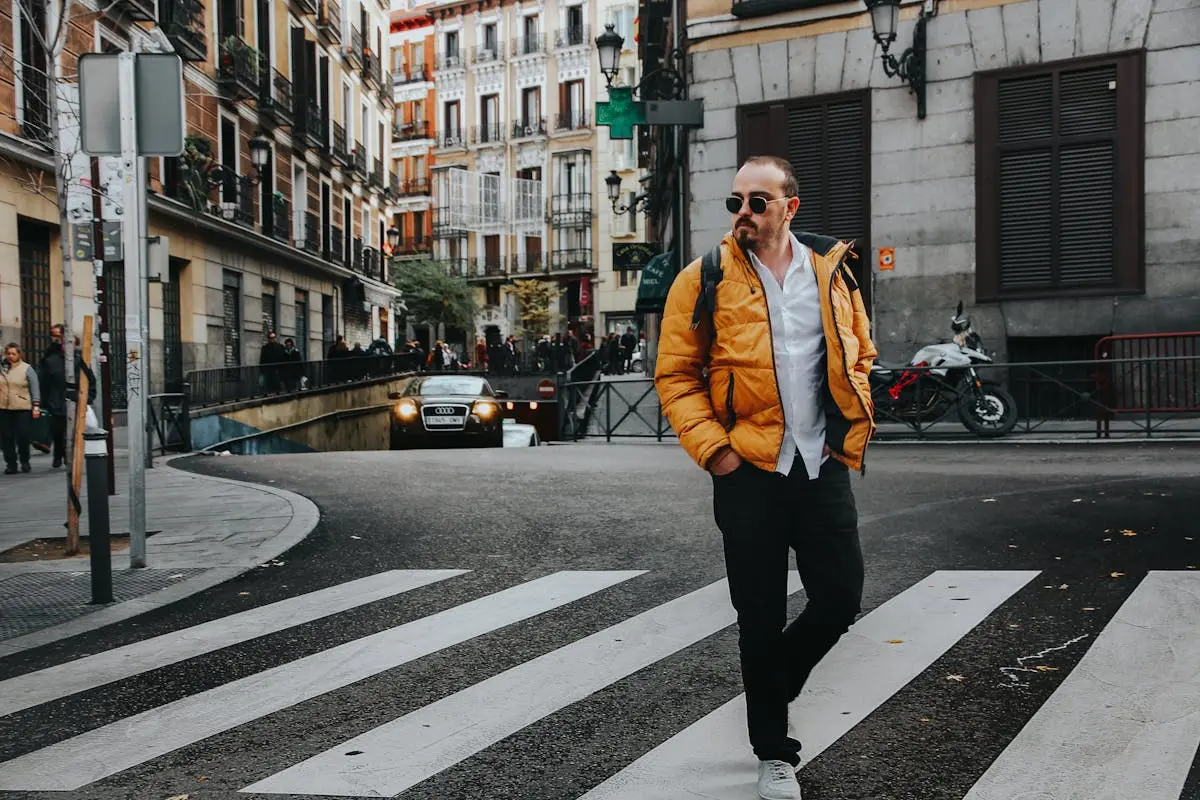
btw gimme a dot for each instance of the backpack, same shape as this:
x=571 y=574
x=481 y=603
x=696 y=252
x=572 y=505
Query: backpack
x=711 y=274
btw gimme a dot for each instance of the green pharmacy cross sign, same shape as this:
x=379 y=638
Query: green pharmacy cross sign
x=621 y=112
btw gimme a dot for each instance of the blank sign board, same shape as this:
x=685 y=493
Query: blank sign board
x=158 y=103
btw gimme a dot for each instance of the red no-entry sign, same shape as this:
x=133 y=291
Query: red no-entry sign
x=546 y=388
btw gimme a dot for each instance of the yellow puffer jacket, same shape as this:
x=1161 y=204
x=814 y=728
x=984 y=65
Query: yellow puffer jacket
x=738 y=403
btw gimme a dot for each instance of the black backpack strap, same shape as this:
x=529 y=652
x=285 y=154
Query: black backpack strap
x=710 y=275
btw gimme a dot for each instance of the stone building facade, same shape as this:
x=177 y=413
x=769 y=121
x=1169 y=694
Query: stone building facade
x=1052 y=186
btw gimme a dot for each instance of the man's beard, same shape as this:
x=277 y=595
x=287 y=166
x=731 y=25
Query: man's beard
x=746 y=234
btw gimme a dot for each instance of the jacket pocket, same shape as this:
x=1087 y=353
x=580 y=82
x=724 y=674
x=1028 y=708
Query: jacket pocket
x=730 y=412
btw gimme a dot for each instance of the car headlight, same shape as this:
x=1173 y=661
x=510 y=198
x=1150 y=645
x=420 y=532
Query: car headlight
x=486 y=410
x=406 y=409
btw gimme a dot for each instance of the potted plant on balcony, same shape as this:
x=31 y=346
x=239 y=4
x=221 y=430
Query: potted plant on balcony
x=198 y=172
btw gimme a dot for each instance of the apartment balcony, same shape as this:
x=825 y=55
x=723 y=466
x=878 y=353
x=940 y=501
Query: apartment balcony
x=415 y=186
x=487 y=134
x=308 y=232
x=450 y=60
x=393 y=186
x=375 y=179
x=529 y=45
x=528 y=128
x=455 y=267
x=238 y=69
x=445 y=225
x=571 y=210
x=356 y=255
x=577 y=260
x=329 y=22
x=310 y=123
x=341 y=153
x=487 y=55
x=138 y=10
x=236 y=199
x=573 y=37
x=372 y=70
x=372 y=263
x=528 y=264
x=305 y=6
x=36 y=125
x=183 y=23
x=278 y=223
x=358 y=160
x=387 y=88
x=353 y=49
x=488 y=270
x=572 y=121
x=411 y=131
x=275 y=96
x=451 y=140
x=336 y=245
x=411 y=75
x=414 y=247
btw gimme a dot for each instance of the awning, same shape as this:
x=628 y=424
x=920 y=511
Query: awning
x=657 y=277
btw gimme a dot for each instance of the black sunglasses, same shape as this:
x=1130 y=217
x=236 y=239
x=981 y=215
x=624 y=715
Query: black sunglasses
x=758 y=205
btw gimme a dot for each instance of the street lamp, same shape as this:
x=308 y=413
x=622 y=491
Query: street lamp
x=910 y=66
x=260 y=151
x=613 y=184
x=609 y=44
x=393 y=237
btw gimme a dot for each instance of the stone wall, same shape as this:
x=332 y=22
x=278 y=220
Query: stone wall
x=923 y=184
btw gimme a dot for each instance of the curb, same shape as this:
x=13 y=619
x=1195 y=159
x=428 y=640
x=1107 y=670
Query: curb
x=305 y=517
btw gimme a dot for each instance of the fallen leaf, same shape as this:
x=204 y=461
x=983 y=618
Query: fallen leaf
x=1044 y=668
x=1116 y=574
x=895 y=641
x=202 y=778
x=956 y=678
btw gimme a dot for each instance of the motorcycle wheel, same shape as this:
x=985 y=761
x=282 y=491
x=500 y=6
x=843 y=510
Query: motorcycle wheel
x=993 y=413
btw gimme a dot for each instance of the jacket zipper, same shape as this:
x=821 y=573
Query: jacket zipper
x=729 y=404
x=771 y=336
x=846 y=366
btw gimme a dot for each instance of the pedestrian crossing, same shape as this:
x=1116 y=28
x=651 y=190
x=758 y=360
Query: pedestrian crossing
x=1124 y=722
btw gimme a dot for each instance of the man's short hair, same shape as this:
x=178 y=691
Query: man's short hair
x=791 y=187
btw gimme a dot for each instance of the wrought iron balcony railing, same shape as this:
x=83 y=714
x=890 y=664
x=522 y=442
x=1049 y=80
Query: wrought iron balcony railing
x=455 y=267
x=410 y=131
x=238 y=68
x=531 y=127
x=572 y=121
x=529 y=45
x=275 y=96
x=487 y=134
x=312 y=234
x=371 y=68
x=354 y=48
x=341 y=153
x=451 y=139
x=489 y=269
x=310 y=123
x=412 y=74
x=356 y=255
x=416 y=186
x=278 y=224
x=183 y=23
x=372 y=265
x=573 y=36
x=532 y=263
x=571 y=210
x=375 y=179
x=358 y=159
x=487 y=55
x=449 y=60
x=336 y=245
x=574 y=260
x=236 y=203
x=306 y=6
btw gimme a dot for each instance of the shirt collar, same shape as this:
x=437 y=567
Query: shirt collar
x=799 y=255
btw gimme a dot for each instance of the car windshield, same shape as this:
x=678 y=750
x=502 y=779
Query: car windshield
x=453 y=384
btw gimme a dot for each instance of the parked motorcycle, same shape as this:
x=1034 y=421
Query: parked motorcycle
x=947 y=380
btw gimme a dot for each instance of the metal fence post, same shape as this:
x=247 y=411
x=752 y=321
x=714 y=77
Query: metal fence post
x=96 y=454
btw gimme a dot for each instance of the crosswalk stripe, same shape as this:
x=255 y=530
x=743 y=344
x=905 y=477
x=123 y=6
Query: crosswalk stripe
x=406 y=751
x=63 y=680
x=883 y=651
x=137 y=739
x=1126 y=721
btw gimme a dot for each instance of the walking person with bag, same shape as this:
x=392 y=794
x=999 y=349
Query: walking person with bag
x=20 y=404
x=762 y=370
x=57 y=390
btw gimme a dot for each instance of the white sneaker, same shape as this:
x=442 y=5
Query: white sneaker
x=777 y=781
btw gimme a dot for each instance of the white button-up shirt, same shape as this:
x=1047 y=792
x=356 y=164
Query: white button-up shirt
x=798 y=337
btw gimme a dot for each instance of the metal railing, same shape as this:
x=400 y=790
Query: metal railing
x=1139 y=397
x=209 y=387
x=528 y=45
x=572 y=121
x=415 y=186
x=183 y=23
x=487 y=55
x=453 y=138
x=170 y=419
x=573 y=36
x=529 y=263
x=571 y=260
x=329 y=21
x=312 y=238
x=237 y=199
x=571 y=210
x=354 y=48
x=492 y=133
x=529 y=127
x=375 y=178
x=409 y=131
x=275 y=94
x=450 y=60
x=358 y=159
x=278 y=223
x=340 y=151
x=238 y=68
x=336 y=245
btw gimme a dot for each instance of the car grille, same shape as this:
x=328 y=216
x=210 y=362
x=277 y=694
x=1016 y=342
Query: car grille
x=444 y=416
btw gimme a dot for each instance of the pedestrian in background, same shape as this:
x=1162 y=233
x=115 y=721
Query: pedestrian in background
x=56 y=391
x=20 y=404
x=769 y=392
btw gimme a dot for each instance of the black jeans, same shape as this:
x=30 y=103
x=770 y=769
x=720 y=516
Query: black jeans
x=763 y=515
x=58 y=432
x=15 y=429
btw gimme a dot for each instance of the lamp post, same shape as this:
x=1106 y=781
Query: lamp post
x=393 y=238
x=260 y=152
x=609 y=46
x=910 y=66
x=613 y=184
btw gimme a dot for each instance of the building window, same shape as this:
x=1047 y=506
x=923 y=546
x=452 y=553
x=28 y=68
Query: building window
x=231 y=307
x=418 y=224
x=490 y=38
x=451 y=120
x=1059 y=188
x=270 y=307
x=491 y=295
x=621 y=19
x=451 y=46
x=571 y=106
x=575 y=28
x=531 y=109
x=489 y=118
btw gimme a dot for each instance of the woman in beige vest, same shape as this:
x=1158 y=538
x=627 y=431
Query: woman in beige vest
x=20 y=404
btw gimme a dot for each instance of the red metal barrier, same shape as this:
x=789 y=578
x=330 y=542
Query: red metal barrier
x=1154 y=373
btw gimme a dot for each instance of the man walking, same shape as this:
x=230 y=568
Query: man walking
x=57 y=390
x=770 y=394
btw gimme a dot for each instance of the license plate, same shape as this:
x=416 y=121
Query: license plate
x=444 y=420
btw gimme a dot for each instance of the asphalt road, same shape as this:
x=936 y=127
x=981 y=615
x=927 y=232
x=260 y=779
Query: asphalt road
x=1090 y=520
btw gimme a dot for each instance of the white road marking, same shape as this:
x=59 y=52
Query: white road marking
x=137 y=739
x=1126 y=721
x=63 y=680
x=712 y=758
x=406 y=751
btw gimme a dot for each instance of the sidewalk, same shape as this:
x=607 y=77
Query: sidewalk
x=201 y=531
